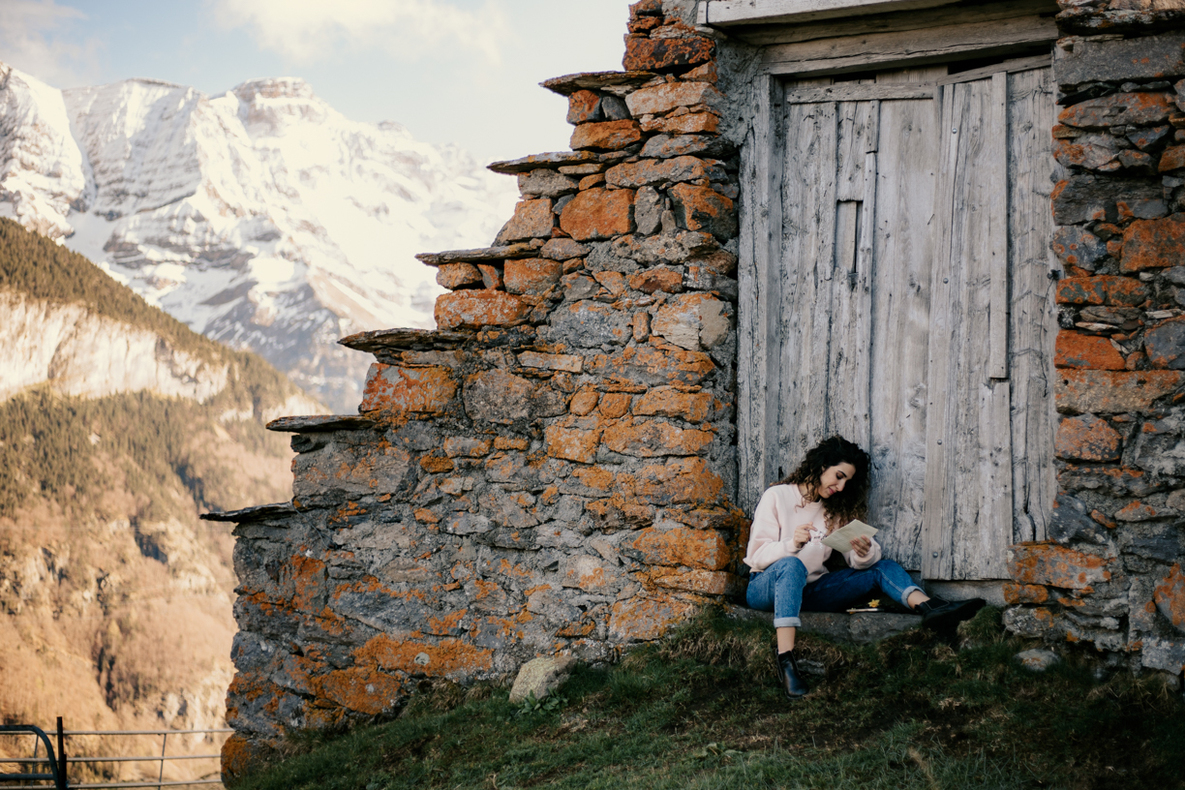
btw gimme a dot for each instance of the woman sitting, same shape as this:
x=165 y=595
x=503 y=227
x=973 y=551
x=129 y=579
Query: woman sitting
x=786 y=554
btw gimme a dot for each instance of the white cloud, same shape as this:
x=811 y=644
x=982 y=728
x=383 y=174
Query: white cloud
x=34 y=38
x=311 y=30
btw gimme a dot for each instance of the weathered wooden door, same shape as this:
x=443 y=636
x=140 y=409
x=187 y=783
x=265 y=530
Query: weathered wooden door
x=915 y=315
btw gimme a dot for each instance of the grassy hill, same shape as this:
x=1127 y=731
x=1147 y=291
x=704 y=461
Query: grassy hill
x=699 y=711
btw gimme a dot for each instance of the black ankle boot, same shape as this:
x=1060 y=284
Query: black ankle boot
x=940 y=615
x=789 y=676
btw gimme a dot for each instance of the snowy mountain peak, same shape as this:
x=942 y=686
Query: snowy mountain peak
x=274 y=88
x=261 y=217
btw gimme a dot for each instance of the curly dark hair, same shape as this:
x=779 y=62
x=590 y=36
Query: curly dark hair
x=852 y=502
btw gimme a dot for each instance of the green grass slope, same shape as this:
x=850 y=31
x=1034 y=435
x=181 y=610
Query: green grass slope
x=700 y=710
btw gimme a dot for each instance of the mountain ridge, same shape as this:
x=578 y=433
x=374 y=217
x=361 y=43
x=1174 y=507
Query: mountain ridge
x=260 y=217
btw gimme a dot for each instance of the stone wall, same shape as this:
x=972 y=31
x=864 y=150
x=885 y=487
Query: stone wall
x=550 y=471
x=1111 y=574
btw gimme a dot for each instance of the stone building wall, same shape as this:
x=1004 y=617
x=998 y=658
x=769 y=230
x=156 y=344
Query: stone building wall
x=1111 y=574
x=549 y=471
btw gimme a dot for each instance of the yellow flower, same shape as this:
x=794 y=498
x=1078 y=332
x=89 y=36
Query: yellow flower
x=875 y=603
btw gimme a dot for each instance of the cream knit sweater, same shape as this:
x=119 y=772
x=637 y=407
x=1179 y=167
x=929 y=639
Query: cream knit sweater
x=771 y=537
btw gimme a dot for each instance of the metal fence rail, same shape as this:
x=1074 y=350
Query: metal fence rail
x=62 y=760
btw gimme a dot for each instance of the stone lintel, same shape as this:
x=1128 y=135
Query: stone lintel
x=1147 y=57
x=520 y=250
x=595 y=80
x=321 y=423
x=250 y=514
x=1089 y=21
x=535 y=161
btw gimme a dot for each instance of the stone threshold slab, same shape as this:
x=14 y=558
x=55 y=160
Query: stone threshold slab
x=861 y=627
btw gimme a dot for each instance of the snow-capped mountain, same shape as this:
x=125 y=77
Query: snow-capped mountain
x=260 y=217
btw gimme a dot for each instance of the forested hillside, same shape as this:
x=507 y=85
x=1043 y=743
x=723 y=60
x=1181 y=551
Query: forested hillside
x=115 y=607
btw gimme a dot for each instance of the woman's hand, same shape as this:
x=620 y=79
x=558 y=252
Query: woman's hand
x=862 y=545
x=802 y=536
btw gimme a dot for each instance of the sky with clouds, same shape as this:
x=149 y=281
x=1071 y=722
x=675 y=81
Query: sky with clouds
x=452 y=71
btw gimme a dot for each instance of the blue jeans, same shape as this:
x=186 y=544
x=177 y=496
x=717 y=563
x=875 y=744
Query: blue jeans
x=782 y=589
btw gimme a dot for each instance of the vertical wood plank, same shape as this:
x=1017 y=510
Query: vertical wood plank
x=808 y=221
x=760 y=291
x=902 y=250
x=938 y=512
x=849 y=364
x=975 y=448
x=1033 y=312
x=849 y=154
x=997 y=177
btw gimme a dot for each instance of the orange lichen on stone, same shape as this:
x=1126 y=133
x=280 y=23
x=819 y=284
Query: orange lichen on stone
x=1025 y=593
x=615 y=405
x=484 y=589
x=691 y=123
x=1056 y=566
x=532 y=219
x=671 y=95
x=532 y=275
x=241 y=756
x=1118 y=109
x=426 y=516
x=670 y=402
x=435 y=464
x=598 y=214
x=572 y=444
x=308 y=577
x=597 y=478
x=441 y=626
x=396 y=388
x=659 y=278
x=1110 y=392
x=1078 y=350
x=1087 y=438
x=618 y=508
x=679 y=481
x=474 y=309
x=1153 y=243
x=582 y=627
x=698 y=581
x=1170 y=596
x=1136 y=511
x=588 y=574
x=606 y=135
x=650 y=363
x=583 y=402
x=435 y=658
x=361 y=689
x=1102 y=289
x=696 y=548
x=636 y=619
x=651 y=438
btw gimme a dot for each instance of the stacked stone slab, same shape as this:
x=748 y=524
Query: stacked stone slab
x=549 y=472
x=1111 y=574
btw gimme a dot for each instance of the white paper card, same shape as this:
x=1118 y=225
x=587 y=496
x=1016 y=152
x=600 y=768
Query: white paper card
x=841 y=539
